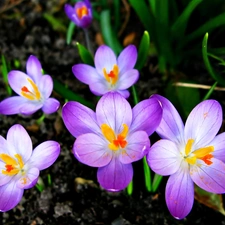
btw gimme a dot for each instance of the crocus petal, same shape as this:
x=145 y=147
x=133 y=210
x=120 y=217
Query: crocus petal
x=99 y=88
x=85 y=21
x=115 y=176
x=114 y=110
x=124 y=64
x=30 y=107
x=219 y=147
x=44 y=155
x=137 y=147
x=209 y=177
x=171 y=126
x=104 y=58
x=92 y=150
x=10 y=196
x=86 y=74
x=164 y=157
x=69 y=10
x=45 y=86
x=12 y=105
x=34 y=68
x=127 y=79
x=4 y=179
x=4 y=146
x=180 y=193
x=51 y=105
x=29 y=179
x=203 y=123
x=17 y=80
x=124 y=93
x=147 y=115
x=18 y=137
x=79 y=119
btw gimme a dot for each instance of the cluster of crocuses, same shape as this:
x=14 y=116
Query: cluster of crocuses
x=115 y=135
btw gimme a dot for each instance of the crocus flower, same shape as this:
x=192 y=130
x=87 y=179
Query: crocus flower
x=113 y=137
x=33 y=89
x=20 y=166
x=80 y=14
x=110 y=73
x=189 y=154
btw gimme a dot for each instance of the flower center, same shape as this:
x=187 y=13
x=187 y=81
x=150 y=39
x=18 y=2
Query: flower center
x=112 y=76
x=203 y=154
x=12 y=165
x=32 y=93
x=82 y=11
x=116 y=142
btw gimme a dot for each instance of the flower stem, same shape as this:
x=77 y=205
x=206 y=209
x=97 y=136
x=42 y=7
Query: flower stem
x=89 y=47
x=41 y=119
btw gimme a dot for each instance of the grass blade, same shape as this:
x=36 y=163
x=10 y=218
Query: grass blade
x=70 y=31
x=208 y=66
x=85 y=55
x=143 y=50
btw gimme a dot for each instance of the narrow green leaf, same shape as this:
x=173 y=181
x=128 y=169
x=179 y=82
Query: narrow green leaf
x=208 y=26
x=109 y=36
x=152 y=4
x=117 y=14
x=147 y=174
x=56 y=23
x=210 y=91
x=208 y=66
x=130 y=188
x=143 y=50
x=4 y=70
x=179 y=26
x=156 y=182
x=85 y=55
x=70 y=31
x=145 y=15
x=68 y=94
x=135 y=96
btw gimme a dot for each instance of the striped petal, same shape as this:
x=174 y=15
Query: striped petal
x=34 y=68
x=92 y=150
x=180 y=193
x=147 y=116
x=114 y=110
x=115 y=176
x=104 y=58
x=203 y=123
x=209 y=177
x=79 y=119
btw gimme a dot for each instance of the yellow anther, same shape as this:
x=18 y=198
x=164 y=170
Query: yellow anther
x=31 y=94
x=113 y=75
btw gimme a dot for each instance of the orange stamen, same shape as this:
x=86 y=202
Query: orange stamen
x=207 y=158
x=25 y=89
x=9 y=168
x=82 y=11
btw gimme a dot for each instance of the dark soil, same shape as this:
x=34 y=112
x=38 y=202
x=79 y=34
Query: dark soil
x=74 y=197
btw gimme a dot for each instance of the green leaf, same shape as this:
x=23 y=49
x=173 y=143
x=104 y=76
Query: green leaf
x=209 y=68
x=56 y=23
x=156 y=182
x=109 y=36
x=70 y=32
x=208 y=26
x=144 y=14
x=208 y=94
x=69 y=95
x=143 y=50
x=85 y=55
x=4 y=70
x=214 y=201
x=147 y=175
x=179 y=26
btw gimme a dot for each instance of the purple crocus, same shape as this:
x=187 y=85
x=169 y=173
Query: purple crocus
x=113 y=137
x=110 y=73
x=20 y=166
x=189 y=154
x=33 y=89
x=80 y=14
